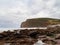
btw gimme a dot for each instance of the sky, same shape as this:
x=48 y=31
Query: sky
x=14 y=12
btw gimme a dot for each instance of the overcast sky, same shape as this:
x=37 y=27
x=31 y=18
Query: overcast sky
x=13 y=12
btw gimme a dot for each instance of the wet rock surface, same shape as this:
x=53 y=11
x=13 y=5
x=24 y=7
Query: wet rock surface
x=50 y=36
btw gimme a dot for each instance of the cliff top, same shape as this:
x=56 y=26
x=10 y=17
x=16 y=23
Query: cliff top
x=44 y=19
x=40 y=22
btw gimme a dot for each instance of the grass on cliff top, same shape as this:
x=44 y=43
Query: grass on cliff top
x=45 y=19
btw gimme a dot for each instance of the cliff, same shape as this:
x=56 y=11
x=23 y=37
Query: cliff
x=40 y=22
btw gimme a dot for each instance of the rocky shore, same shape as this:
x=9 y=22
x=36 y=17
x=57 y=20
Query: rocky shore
x=50 y=36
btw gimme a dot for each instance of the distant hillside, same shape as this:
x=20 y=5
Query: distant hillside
x=40 y=22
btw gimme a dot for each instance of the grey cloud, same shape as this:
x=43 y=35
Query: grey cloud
x=13 y=12
x=51 y=7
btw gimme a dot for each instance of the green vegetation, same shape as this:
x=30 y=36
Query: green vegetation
x=45 y=19
x=40 y=22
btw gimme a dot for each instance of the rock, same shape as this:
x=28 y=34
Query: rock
x=57 y=41
x=49 y=40
x=57 y=36
x=40 y=22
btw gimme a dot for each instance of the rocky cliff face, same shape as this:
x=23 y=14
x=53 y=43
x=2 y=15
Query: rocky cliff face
x=40 y=22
